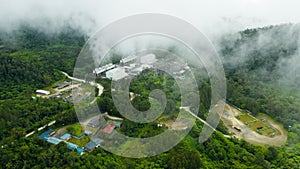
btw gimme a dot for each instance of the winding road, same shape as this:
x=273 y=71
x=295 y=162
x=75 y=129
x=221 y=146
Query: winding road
x=101 y=88
x=73 y=78
x=194 y=115
x=247 y=134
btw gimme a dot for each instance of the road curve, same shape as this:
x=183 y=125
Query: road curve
x=101 y=88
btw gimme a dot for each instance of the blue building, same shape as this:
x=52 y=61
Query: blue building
x=47 y=134
x=93 y=144
x=66 y=136
x=54 y=140
x=72 y=146
x=79 y=150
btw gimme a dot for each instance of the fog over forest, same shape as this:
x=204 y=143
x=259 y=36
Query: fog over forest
x=211 y=17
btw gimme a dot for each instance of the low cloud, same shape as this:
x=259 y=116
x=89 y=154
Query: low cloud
x=211 y=17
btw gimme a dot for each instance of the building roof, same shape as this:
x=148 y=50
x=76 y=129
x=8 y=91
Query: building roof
x=116 y=123
x=127 y=59
x=29 y=134
x=116 y=73
x=66 y=136
x=90 y=145
x=41 y=128
x=79 y=150
x=54 y=140
x=45 y=92
x=71 y=146
x=98 y=141
x=51 y=123
x=93 y=144
x=104 y=68
x=46 y=134
x=109 y=128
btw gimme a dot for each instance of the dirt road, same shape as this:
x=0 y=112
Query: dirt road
x=249 y=135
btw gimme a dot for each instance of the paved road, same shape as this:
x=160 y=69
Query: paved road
x=101 y=91
x=203 y=121
x=112 y=117
x=73 y=78
x=101 y=88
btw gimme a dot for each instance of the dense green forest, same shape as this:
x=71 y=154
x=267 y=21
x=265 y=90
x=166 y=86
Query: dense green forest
x=260 y=75
x=31 y=59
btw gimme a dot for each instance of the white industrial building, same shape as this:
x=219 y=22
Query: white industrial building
x=42 y=92
x=130 y=65
x=104 y=69
x=128 y=60
x=116 y=73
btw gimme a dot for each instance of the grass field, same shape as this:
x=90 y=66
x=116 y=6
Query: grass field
x=80 y=142
x=269 y=120
x=245 y=118
x=75 y=129
x=258 y=125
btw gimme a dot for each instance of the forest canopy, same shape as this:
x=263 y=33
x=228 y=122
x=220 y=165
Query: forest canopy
x=254 y=62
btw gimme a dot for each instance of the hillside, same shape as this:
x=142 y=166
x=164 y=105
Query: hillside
x=262 y=73
x=257 y=63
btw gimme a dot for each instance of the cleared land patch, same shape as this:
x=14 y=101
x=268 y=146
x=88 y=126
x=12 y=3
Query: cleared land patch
x=258 y=125
x=258 y=130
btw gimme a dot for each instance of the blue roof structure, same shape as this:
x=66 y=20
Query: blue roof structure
x=54 y=140
x=90 y=146
x=93 y=144
x=116 y=123
x=44 y=137
x=72 y=146
x=98 y=141
x=46 y=134
x=79 y=150
x=66 y=136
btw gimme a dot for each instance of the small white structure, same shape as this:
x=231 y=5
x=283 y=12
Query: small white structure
x=29 y=134
x=148 y=59
x=41 y=128
x=42 y=92
x=103 y=69
x=116 y=74
x=128 y=60
x=51 y=123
